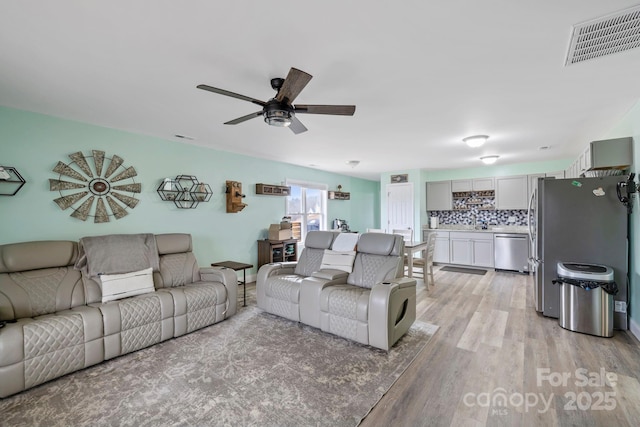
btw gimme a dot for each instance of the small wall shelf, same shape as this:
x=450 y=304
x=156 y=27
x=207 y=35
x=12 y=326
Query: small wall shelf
x=481 y=200
x=10 y=181
x=273 y=190
x=339 y=195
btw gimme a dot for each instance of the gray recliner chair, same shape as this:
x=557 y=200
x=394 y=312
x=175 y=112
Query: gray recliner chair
x=278 y=284
x=377 y=305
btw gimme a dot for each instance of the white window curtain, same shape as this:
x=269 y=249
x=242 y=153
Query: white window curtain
x=307 y=205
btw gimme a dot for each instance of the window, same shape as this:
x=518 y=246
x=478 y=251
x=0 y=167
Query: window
x=307 y=205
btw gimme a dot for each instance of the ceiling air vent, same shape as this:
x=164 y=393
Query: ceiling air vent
x=603 y=36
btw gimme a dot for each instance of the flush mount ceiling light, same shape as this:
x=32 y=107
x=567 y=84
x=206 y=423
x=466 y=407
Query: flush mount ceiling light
x=353 y=163
x=489 y=160
x=475 y=140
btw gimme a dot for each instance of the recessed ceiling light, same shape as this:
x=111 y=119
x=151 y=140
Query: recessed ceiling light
x=353 y=163
x=475 y=140
x=489 y=160
x=190 y=138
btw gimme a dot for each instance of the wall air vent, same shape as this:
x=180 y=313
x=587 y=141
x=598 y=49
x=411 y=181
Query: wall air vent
x=603 y=36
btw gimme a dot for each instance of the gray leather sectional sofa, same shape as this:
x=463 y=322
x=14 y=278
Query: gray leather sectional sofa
x=371 y=303
x=54 y=321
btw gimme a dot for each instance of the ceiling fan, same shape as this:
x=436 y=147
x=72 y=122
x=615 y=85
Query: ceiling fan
x=280 y=111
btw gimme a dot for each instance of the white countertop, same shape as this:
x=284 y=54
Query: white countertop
x=517 y=229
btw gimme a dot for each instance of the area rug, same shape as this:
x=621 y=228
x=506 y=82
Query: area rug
x=464 y=270
x=253 y=369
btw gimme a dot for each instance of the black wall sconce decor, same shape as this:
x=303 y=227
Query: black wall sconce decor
x=10 y=181
x=234 y=197
x=185 y=191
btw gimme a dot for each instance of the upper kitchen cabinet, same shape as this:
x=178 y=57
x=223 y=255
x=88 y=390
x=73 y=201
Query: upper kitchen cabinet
x=478 y=184
x=439 y=196
x=609 y=154
x=604 y=154
x=483 y=184
x=512 y=192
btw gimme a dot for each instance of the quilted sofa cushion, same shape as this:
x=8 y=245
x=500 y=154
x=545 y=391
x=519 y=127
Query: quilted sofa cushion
x=36 y=350
x=134 y=323
x=347 y=309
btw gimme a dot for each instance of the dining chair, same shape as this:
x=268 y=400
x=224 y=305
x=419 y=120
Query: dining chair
x=406 y=233
x=426 y=263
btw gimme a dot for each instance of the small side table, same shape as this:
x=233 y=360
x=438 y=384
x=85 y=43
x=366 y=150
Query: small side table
x=237 y=266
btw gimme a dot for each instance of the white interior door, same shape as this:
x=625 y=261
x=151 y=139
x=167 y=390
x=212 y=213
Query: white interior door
x=400 y=207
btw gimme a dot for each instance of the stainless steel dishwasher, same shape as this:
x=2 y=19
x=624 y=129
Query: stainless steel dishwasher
x=511 y=252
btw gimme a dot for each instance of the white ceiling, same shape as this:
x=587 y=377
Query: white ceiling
x=423 y=75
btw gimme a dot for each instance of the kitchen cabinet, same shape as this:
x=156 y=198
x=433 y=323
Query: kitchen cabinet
x=483 y=184
x=439 y=196
x=477 y=184
x=482 y=250
x=474 y=249
x=610 y=153
x=441 y=249
x=604 y=154
x=512 y=192
x=459 y=185
x=460 y=246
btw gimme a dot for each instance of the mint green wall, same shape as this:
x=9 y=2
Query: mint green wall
x=630 y=126
x=34 y=143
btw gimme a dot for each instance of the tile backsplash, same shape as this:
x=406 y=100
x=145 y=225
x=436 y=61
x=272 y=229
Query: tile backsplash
x=471 y=216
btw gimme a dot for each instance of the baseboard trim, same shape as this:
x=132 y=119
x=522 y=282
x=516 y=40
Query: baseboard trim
x=634 y=328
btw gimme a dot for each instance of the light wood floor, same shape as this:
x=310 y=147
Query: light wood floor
x=492 y=344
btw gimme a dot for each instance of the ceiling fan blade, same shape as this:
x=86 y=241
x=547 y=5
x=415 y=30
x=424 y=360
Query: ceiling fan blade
x=231 y=94
x=338 y=110
x=244 y=118
x=296 y=125
x=294 y=83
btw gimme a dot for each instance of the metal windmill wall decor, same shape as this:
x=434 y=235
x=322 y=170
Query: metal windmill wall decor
x=93 y=184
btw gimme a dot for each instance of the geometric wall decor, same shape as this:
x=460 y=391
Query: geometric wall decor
x=100 y=188
x=185 y=191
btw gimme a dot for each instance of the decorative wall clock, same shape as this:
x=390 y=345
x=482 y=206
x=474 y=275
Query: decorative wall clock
x=91 y=185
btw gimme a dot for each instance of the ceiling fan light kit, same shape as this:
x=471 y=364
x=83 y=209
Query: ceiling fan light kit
x=275 y=115
x=475 y=140
x=280 y=111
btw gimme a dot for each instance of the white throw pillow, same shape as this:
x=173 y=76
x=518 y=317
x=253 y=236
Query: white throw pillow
x=117 y=286
x=338 y=260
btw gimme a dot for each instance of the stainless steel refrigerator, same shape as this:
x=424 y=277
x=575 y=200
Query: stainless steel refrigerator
x=578 y=220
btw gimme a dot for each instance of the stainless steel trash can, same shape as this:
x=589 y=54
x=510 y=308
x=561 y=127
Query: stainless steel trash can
x=584 y=308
